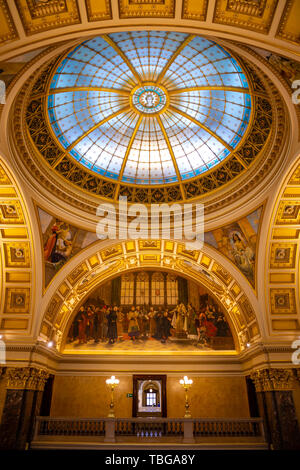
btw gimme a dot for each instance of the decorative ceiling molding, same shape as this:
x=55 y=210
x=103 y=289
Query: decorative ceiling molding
x=192 y=10
x=98 y=10
x=288 y=28
x=271 y=22
x=8 y=28
x=40 y=16
x=254 y=15
x=61 y=240
x=146 y=9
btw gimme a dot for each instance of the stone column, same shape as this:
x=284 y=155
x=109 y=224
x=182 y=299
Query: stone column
x=276 y=406
x=24 y=389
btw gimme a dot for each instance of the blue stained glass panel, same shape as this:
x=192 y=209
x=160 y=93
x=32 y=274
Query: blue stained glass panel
x=203 y=115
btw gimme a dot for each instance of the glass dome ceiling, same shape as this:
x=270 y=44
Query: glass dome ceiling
x=149 y=107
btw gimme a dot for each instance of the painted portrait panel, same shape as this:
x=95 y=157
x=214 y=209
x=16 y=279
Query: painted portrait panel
x=61 y=241
x=237 y=241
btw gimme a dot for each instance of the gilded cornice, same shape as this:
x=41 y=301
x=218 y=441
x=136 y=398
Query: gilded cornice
x=268 y=380
x=26 y=378
x=87 y=364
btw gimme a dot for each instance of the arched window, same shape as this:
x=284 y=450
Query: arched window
x=151 y=395
x=172 y=289
x=158 y=289
x=127 y=289
x=142 y=288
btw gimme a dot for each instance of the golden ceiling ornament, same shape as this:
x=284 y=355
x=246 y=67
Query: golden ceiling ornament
x=288 y=26
x=37 y=16
x=254 y=15
x=8 y=27
x=146 y=9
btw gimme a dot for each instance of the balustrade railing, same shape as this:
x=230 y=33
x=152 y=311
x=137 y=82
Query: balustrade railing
x=148 y=427
x=141 y=428
x=228 y=427
x=70 y=427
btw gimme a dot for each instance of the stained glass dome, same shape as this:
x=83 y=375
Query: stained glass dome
x=149 y=107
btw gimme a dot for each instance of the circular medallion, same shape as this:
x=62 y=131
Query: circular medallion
x=149 y=99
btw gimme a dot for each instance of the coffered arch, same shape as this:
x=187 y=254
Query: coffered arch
x=17 y=258
x=282 y=258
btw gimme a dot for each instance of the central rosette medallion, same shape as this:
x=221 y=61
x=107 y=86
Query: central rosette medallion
x=149 y=98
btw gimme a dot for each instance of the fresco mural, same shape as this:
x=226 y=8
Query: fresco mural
x=61 y=241
x=144 y=325
x=237 y=241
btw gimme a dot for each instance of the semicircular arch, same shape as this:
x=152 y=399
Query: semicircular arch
x=74 y=285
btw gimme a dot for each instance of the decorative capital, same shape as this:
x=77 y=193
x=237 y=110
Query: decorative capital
x=297 y=374
x=26 y=378
x=267 y=380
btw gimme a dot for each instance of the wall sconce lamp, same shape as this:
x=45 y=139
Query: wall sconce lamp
x=112 y=382
x=186 y=383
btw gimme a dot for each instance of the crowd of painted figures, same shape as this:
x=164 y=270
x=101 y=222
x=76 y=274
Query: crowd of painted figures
x=111 y=323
